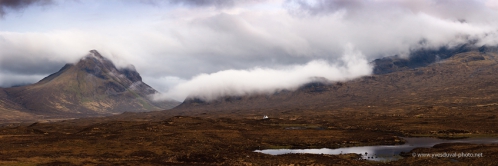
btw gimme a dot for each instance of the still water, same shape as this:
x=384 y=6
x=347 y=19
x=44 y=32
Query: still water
x=382 y=152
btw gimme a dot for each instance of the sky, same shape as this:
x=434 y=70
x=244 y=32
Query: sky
x=213 y=48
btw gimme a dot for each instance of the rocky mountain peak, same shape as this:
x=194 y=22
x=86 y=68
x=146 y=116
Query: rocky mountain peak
x=96 y=54
x=91 y=87
x=96 y=64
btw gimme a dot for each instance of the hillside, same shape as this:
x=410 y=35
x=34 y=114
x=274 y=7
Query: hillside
x=463 y=79
x=91 y=87
x=452 y=99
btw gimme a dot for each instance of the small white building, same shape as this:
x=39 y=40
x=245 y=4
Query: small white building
x=265 y=117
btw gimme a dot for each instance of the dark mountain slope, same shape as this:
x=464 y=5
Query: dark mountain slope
x=424 y=57
x=12 y=110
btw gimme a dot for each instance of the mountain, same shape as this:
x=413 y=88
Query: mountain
x=91 y=87
x=459 y=78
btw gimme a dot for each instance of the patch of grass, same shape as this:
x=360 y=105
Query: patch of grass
x=279 y=147
x=84 y=99
x=15 y=163
x=142 y=101
x=298 y=125
x=456 y=136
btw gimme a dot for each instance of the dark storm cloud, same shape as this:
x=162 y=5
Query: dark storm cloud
x=19 y=4
x=28 y=69
x=29 y=66
x=9 y=79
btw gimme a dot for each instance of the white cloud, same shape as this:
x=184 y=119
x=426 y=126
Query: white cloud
x=493 y=4
x=269 y=80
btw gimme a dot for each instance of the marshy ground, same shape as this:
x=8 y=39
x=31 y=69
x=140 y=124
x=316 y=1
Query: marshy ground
x=231 y=140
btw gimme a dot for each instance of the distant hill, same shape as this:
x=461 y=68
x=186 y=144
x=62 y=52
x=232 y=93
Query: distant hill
x=91 y=87
x=462 y=77
x=423 y=57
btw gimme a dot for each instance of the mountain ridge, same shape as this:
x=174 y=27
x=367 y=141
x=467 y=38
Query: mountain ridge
x=448 y=82
x=91 y=87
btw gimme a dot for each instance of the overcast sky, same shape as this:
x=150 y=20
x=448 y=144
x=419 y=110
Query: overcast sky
x=232 y=47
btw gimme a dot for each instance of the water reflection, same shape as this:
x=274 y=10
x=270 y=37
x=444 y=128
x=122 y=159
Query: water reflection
x=382 y=152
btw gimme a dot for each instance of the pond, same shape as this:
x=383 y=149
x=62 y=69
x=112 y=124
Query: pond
x=382 y=152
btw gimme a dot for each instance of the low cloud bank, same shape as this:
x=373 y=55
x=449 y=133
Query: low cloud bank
x=269 y=80
x=10 y=79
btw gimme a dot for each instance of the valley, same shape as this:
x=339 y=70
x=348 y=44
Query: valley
x=451 y=99
x=248 y=82
x=231 y=140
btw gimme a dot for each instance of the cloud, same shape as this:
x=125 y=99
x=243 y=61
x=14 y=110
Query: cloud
x=195 y=3
x=219 y=4
x=163 y=84
x=315 y=7
x=11 y=79
x=24 y=53
x=493 y=4
x=269 y=80
x=446 y=9
x=172 y=43
x=20 y=4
